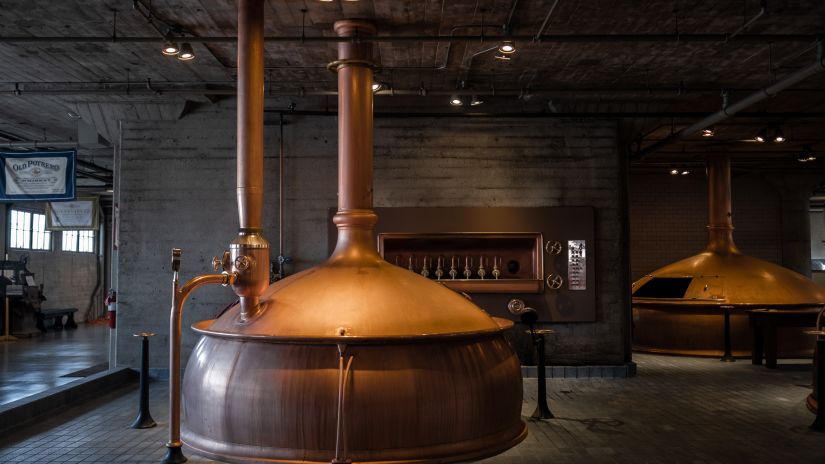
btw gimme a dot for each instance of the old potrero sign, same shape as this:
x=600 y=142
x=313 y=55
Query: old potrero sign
x=38 y=176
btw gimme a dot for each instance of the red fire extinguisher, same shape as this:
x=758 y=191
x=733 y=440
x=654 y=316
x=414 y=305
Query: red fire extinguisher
x=111 y=299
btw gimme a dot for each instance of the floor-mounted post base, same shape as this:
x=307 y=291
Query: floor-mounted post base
x=174 y=455
x=542 y=409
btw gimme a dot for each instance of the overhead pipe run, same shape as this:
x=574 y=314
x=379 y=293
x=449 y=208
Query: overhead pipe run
x=546 y=38
x=729 y=111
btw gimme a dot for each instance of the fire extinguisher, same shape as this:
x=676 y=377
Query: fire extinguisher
x=111 y=300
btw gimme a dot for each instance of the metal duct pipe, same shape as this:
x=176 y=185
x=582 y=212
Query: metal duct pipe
x=355 y=218
x=729 y=111
x=249 y=253
x=355 y=125
x=250 y=123
x=720 y=221
x=123 y=88
x=546 y=38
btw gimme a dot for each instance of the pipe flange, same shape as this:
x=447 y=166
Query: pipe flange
x=338 y=64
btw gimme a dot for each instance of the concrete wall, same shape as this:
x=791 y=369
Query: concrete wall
x=68 y=278
x=177 y=190
x=668 y=218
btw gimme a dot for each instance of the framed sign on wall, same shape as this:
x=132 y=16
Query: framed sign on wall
x=38 y=176
x=80 y=214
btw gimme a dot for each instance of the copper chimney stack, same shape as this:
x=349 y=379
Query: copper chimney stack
x=679 y=308
x=355 y=360
x=249 y=253
x=720 y=222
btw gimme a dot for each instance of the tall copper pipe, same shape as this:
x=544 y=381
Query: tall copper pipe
x=250 y=251
x=174 y=451
x=355 y=123
x=720 y=222
x=355 y=218
x=250 y=114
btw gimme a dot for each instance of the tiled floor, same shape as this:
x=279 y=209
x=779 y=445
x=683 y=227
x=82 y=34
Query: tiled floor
x=677 y=410
x=32 y=365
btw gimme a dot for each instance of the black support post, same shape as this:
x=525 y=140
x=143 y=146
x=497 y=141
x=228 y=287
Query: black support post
x=728 y=356
x=144 y=419
x=542 y=409
x=819 y=422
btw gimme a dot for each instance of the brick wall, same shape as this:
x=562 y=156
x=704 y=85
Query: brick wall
x=668 y=216
x=177 y=190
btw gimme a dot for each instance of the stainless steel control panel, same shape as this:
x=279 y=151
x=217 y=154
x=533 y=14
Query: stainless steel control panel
x=576 y=265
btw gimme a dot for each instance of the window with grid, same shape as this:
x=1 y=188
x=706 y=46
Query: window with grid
x=82 y=241
x=27 y=231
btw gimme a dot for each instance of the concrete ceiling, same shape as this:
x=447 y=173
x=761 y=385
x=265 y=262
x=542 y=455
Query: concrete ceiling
x=656 y=84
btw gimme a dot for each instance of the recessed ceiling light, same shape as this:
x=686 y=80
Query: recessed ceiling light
x=708 y=132
x=376 y=86
x=674 y=172
x=685 y=172
x=455 y=101
x=476 y=101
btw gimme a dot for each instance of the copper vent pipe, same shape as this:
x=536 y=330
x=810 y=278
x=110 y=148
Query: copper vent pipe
x=249 y=253
x=720 y=222
x=355 y=122
x=250 y=159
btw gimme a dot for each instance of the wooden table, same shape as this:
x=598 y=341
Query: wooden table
x=766 y=323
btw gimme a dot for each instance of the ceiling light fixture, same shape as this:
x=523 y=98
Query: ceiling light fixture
x=779 y=136
x=455 y=100
x=685 y=172
x=476 y=101
x=186 y=52
x=376 y=86
x=507 y=47
x=170 y=48
x=674 y=172
x=806 y=155
x=761 y=136
x=708 y=132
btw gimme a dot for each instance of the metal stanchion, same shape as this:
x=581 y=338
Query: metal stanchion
x=144 y=419
x=6 y=325
x=542 y=409
x=728 y=356
x=529 y=317
x=819 y=372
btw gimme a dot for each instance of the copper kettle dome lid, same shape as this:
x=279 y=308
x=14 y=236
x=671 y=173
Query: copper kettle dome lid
x=734 y=279
x=366 y=299
x=721 y=274
x=356 y=294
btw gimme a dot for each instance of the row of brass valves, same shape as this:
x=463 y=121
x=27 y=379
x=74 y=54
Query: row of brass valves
x=453 y=272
